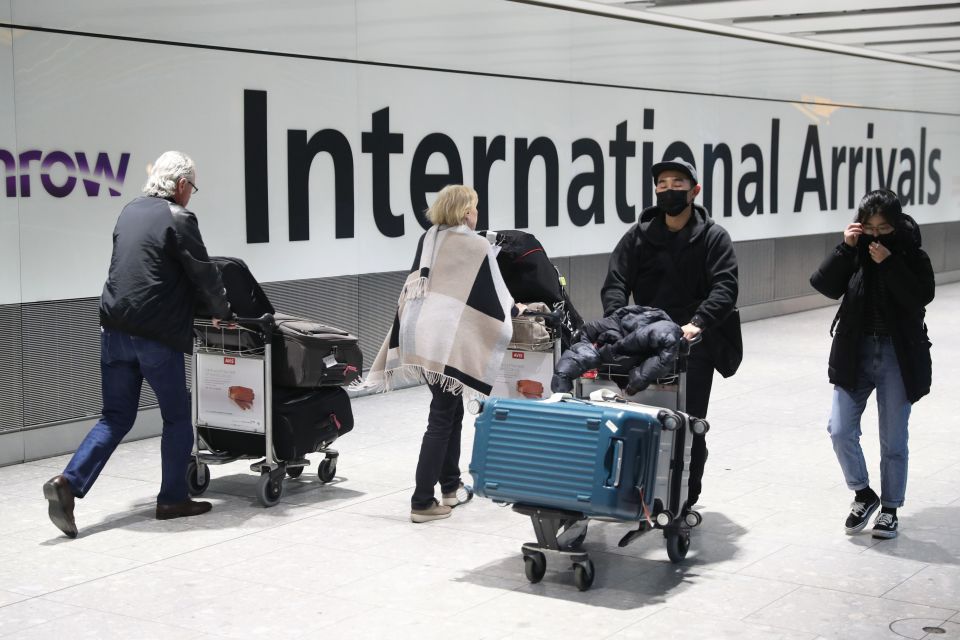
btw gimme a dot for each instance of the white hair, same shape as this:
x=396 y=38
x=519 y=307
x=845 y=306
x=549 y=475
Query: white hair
x=166 y=171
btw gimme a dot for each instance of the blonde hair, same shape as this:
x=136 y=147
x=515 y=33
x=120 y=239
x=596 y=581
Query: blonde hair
x=452 y=205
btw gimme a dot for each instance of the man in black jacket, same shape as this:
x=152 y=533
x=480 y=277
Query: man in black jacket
x=159 y=272
x=677 y=259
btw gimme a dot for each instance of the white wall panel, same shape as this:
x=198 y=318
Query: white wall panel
x=323 y=28
x=9 y=213
x=489 y=36
x=89 y=95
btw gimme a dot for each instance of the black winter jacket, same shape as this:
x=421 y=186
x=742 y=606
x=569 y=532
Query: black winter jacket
x=691 y=280
x=159 y=271
x=641 y=340
x=908 y=278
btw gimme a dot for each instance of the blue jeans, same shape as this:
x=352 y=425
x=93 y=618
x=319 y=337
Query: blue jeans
x=877 y=369
x=125 y=361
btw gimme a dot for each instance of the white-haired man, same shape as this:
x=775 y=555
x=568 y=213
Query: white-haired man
x=159 y=272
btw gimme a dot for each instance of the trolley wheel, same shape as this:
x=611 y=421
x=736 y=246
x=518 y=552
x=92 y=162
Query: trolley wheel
x=196 y=486
x=327 y=469
x=583 y=574
x=678 y=544
x=294 y=472
x=534 y=567
x=269 y=489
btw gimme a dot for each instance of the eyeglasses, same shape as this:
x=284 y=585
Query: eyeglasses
x=193 y=186
x=882 y=229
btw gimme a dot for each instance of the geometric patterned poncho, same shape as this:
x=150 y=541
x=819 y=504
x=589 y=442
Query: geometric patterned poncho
x=452 y=325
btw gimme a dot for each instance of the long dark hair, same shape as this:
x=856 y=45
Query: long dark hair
x=881 y=202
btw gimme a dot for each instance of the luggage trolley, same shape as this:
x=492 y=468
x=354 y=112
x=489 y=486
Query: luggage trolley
x=670 y=511
x=232 y=388
x=531 y=356
x=560 y=532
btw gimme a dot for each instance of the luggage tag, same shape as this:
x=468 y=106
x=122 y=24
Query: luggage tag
x=330 y=361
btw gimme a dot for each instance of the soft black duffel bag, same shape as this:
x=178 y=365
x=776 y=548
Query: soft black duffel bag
x=303 y=422
x=247 y=299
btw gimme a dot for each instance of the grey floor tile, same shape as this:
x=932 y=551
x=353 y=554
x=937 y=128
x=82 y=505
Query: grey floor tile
x=842 y=616
x=30 y=613
x=852 y=573
x=98 y=625
x=671 y=622
x=936 y=586
x=428 y=589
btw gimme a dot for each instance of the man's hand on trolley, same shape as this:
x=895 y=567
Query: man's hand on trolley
x=690 y=331
x=224 y=324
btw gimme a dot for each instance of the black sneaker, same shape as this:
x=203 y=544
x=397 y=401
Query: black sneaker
x=885 y=527
x=860 y=513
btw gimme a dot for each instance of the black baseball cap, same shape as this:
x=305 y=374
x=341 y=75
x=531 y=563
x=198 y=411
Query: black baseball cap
x=677 y=164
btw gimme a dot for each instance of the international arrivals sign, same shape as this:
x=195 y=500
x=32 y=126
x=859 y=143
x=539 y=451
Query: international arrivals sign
x=319 y=168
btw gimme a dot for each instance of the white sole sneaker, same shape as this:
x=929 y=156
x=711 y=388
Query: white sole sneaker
x=462 y=495
x=866 y=519
x=436 y=512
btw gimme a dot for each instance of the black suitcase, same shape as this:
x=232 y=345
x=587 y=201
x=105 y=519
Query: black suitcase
x=309 y=354
x=303 y=422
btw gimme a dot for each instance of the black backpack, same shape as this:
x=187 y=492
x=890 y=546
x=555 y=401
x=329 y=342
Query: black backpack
x=526 y=269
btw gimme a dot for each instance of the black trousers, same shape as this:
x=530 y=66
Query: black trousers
x=440 y=449
x=699 y=384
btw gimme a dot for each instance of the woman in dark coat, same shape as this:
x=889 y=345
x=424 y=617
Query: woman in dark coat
x=879 y=342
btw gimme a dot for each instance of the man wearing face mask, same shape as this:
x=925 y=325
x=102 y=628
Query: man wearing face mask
x=678 y=259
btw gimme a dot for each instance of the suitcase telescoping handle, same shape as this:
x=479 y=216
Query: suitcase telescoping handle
x=616 y=467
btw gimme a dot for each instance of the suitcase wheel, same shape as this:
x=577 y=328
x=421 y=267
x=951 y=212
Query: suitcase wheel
x=294 y=472
x=269 y=489
x=197 y=485
x=327 y=470
x=678 y=543
x=583 y=574
x=534 y=566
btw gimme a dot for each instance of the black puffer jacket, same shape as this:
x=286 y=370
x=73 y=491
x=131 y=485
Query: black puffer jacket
x=641 y=340
x=692 y=275
x=908 y=278
x=159 y=270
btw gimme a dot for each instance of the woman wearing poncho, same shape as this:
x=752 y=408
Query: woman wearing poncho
x=452 y=329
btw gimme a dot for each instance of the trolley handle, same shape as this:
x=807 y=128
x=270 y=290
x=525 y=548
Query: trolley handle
x=552 y=318
x=265 y=322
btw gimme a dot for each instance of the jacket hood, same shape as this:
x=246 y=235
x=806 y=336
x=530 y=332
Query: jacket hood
x=653 y=228
x=909 y=229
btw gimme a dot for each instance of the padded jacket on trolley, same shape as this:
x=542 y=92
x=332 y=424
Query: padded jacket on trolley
x=159 y=271
x=689 y=275
x=908 y=279
x=642 y=340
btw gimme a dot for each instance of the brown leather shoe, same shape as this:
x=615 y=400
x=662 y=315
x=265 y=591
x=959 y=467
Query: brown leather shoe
x=182 y=509
x=59 y=494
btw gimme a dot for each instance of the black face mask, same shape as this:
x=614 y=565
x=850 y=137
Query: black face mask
x=672 y=201
x=889 y=240
x=863 y=248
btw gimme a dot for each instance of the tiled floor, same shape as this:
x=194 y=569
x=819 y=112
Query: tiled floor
x=343 y=561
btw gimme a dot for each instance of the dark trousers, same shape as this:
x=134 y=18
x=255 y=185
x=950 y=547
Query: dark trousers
x=699 y=383
x=440 y=450
x=125 y=361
